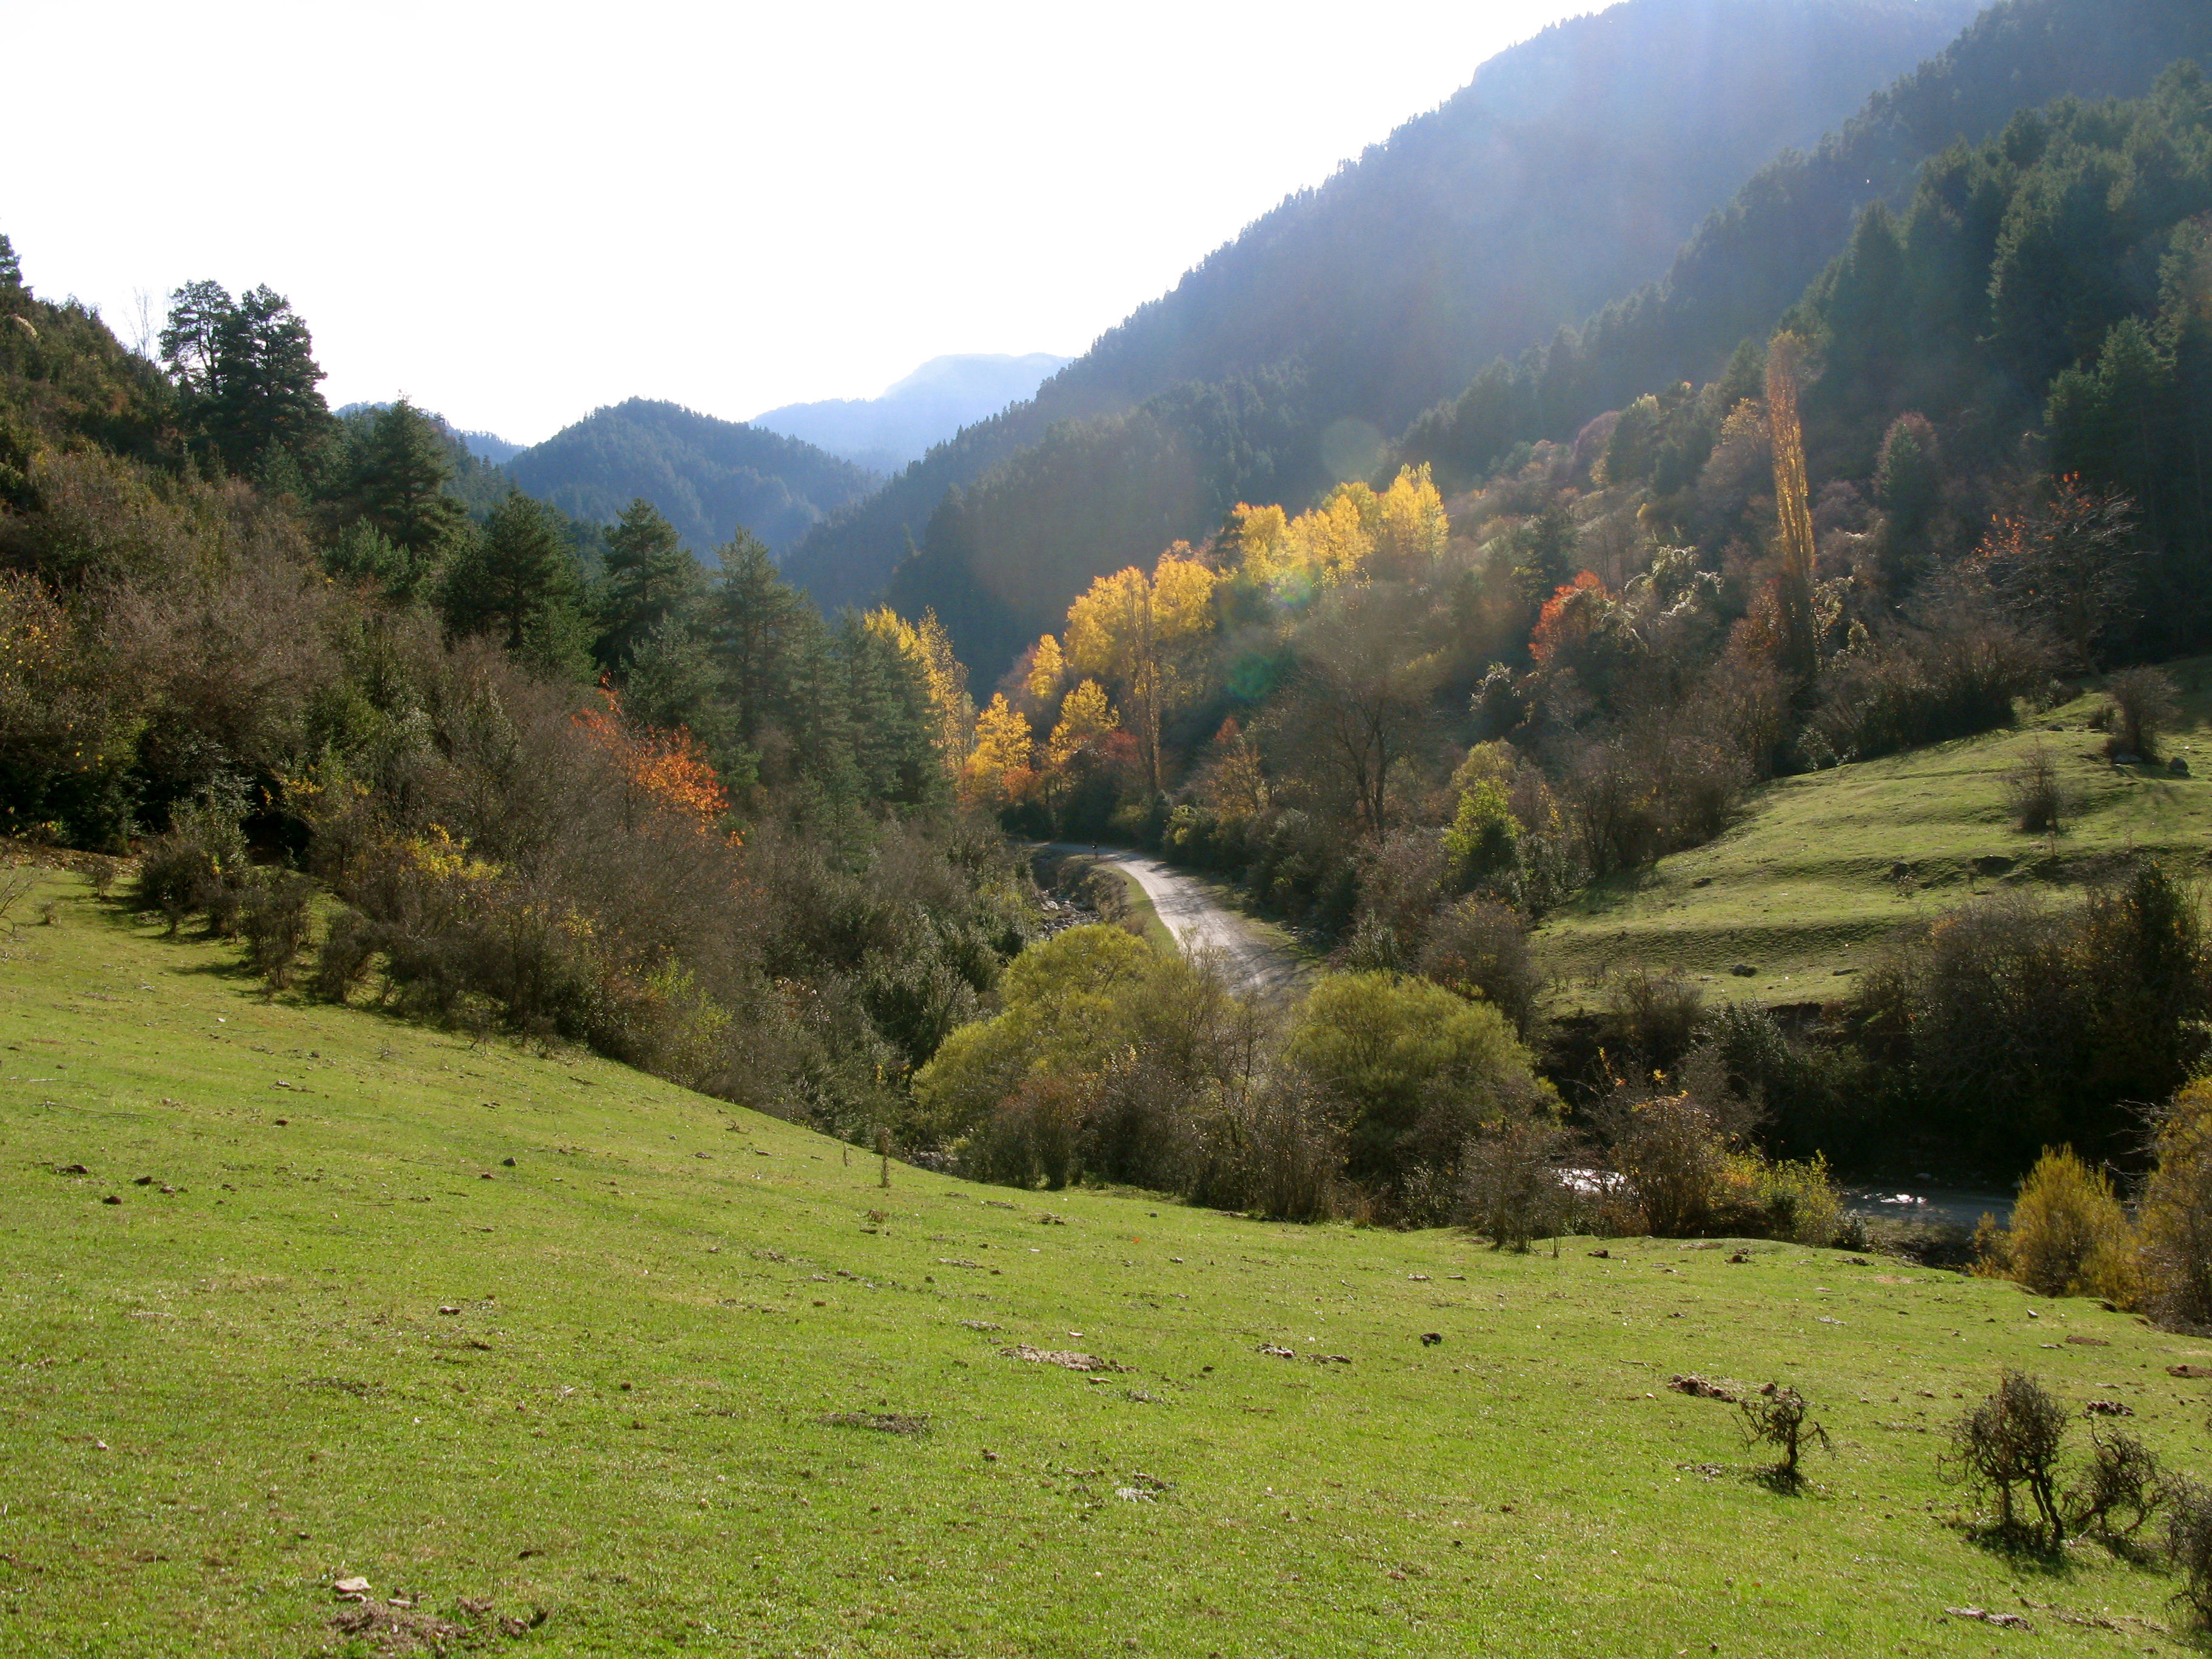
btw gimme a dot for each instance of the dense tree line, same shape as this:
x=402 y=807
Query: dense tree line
x=251 y=641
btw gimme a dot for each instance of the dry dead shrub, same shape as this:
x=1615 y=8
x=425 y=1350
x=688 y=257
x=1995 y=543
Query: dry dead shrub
x=1782 y=1419
x=2121 y=1488
x=2012 y=1439
x=2032 y=790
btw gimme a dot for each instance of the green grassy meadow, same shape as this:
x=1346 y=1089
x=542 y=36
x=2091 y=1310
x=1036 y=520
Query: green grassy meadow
x=1826 y=866
x=590 y=1385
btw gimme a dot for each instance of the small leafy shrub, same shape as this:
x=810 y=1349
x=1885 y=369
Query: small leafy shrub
x=200 y=864
x=2012 y=1440
x=348 y=946
x=275 y=913
x=1480 y=948
x=1782 y=1419
x=2068 y=1236
x=1512 y=1182
x=1652 y=1017
x=2033 y=792
x=2143 y=707
x=2174 y=1219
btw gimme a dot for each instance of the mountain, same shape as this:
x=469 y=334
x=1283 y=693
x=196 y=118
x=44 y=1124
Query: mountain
x=923 y=410
x=490 y=446
x=709 y=476
x=1564 y=174
x=1748 y=263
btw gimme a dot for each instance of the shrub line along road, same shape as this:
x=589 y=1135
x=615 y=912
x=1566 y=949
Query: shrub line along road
x=1198 y=922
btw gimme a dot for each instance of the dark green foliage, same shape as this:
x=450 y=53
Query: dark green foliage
x=2014 y=1025
x=648 y=579
x=246 y=367
x=710 y=478
x=1748 y=264
x=518 y=584
x=11 y=268
x=394 y=470
x=1368 y=298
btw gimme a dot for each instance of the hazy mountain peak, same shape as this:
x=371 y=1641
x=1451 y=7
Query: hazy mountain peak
x=924 y=407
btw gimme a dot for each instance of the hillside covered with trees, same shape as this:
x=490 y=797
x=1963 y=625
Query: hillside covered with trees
x=1224 y=388
x=1030 y=508
x=707 y=478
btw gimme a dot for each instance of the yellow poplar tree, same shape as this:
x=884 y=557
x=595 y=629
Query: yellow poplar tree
x=1410 y=527
x=1086 y=719
x=1140 y=632
x=1002 y=745
x=1048 y=672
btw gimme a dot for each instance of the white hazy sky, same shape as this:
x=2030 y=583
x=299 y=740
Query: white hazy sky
x=516 y=213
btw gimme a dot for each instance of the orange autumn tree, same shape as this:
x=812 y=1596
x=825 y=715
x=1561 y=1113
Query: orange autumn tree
x=663 y=771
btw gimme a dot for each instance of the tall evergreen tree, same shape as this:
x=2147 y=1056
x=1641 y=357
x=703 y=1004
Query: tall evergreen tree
x=198 y=312
x=754 y=621
x=11 y=268
x=650 y=577
x=265 y=380
x=397 y=471
x=518 y=582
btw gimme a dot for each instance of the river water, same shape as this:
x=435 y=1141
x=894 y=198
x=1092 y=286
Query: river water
x=1938 y=1206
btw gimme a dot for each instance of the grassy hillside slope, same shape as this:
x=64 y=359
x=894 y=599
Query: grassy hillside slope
x=353 y=1339
x=1825 y=866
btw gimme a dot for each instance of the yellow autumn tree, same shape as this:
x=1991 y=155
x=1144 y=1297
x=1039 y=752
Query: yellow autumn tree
x=1086 y=720
x=1048 y=672
x=999 y=760
x=929 y=648
x=1145 y=635
x=1356 y=532
x=1409 y=527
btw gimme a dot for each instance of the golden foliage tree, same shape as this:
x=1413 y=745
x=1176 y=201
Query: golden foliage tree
x=1144 y=634
x=998 y=764
x=1086 y=720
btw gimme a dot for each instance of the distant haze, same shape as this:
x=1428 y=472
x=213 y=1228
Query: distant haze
x=926 y=408
x=519 y=214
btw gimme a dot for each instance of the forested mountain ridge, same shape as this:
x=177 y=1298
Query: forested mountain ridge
x=1751 y=259
x=917 y=412
x=1389 y=285
x=708 y=477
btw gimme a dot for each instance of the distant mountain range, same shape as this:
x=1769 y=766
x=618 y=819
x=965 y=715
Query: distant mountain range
x=708 y=476
x=925 y=409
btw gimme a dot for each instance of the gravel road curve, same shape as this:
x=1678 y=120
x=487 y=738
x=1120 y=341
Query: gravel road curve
x=1198 y=923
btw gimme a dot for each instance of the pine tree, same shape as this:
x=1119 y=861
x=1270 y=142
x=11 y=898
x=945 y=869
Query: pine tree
x=517 y=581
x=396 y=480
x=11 y=268
x=650 y=577
x=754 y=621
x=260 y=373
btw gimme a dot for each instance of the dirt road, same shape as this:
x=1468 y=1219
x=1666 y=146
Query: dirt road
x=1198 y=922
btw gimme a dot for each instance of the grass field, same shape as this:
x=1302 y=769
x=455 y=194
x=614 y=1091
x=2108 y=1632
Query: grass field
x=593 y=1383
x=1825 y=866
